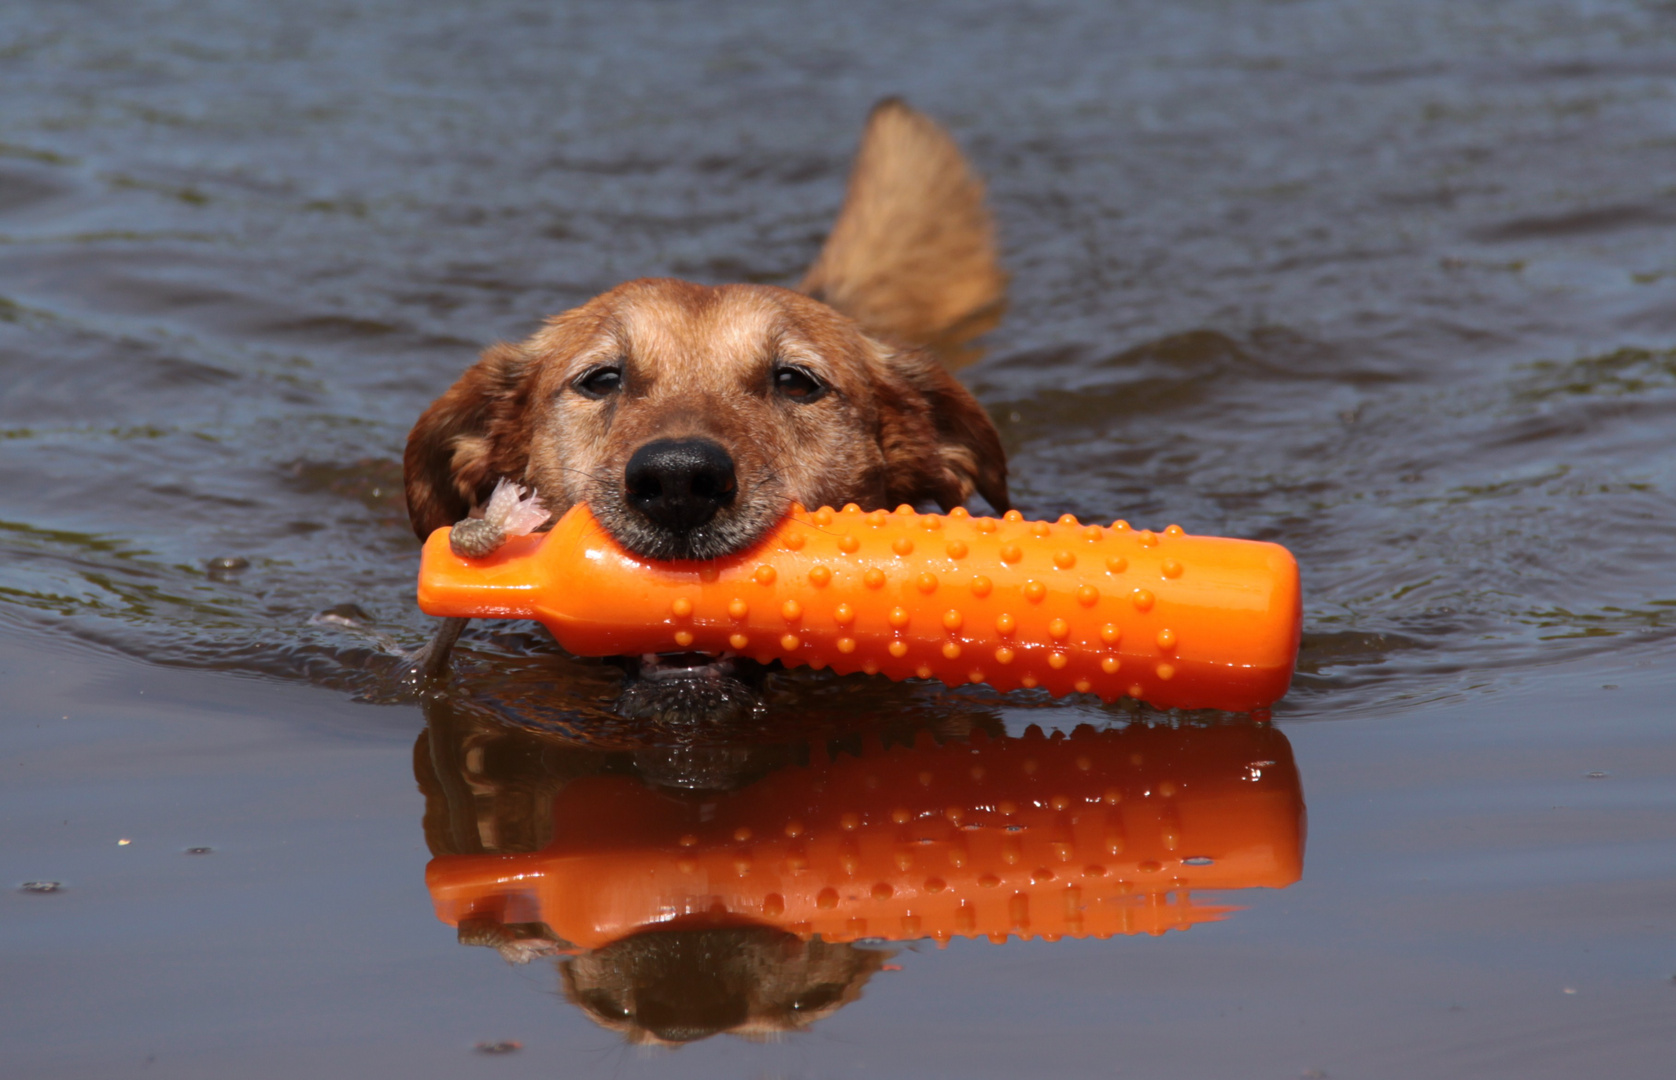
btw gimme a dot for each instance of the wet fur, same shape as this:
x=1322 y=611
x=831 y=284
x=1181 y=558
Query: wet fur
x=908 y=272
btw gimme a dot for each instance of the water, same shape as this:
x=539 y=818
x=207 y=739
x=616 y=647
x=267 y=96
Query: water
x=1390 y=283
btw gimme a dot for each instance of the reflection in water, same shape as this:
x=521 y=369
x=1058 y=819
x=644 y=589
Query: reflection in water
x=748 y=903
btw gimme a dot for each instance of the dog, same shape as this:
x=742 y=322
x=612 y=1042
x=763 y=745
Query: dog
x=689 y=418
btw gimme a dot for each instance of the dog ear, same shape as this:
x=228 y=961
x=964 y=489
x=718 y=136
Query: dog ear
x=938 y=441
x=452 y=460
x=912 y=254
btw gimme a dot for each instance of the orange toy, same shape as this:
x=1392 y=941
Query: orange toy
x=1096 y=834
x=1172 y=619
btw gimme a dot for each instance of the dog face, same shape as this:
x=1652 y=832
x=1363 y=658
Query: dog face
x=690 y=418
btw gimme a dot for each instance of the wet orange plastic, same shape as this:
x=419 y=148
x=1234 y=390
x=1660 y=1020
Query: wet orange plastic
x=1172 y=619
x=1097 y=834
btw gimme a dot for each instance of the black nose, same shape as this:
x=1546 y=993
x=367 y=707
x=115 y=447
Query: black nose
x=679 y=484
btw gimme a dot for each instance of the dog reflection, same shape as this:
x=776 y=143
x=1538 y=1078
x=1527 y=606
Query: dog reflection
x=676 y=986
x=746 y=904
x=489 y=789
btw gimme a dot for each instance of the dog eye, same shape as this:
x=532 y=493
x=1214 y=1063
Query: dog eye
x=600 y=382
x=797 y=384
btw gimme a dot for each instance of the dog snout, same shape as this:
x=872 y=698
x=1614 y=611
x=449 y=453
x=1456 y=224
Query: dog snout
x=679 y=484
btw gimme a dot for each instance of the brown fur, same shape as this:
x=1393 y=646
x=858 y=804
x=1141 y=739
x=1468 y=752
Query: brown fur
x=911 y=263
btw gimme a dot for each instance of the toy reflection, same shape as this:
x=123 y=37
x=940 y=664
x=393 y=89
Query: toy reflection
x=750 y=890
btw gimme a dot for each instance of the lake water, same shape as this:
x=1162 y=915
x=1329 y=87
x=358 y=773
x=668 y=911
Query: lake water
x=1393 y=284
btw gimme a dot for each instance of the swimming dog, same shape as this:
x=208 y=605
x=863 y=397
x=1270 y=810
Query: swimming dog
x=689 y=418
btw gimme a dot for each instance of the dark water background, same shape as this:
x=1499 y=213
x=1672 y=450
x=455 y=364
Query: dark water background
x=1391 y=283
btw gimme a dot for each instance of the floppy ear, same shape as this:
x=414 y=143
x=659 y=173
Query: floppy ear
x=452 y=459
x=938 y=442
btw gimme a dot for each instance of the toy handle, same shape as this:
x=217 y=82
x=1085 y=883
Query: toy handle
x=508 y=584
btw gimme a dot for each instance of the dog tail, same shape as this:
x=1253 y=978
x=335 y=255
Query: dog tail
x=912 y=255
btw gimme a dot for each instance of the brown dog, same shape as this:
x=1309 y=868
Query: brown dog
x=689 y=418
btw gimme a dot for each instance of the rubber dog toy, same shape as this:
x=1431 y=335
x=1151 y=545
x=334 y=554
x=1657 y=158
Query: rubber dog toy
x=1172 y=619
x=1090 y=835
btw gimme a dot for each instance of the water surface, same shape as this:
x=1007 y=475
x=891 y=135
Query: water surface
x=1389 y=283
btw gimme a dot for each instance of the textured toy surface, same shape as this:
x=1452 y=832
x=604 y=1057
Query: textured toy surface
x=1172 y=619
x=1090 y=835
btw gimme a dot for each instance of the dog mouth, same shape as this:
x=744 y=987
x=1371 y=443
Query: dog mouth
x=718 y=538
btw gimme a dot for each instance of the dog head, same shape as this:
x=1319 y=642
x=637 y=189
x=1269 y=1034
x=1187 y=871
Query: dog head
x=690 y=418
